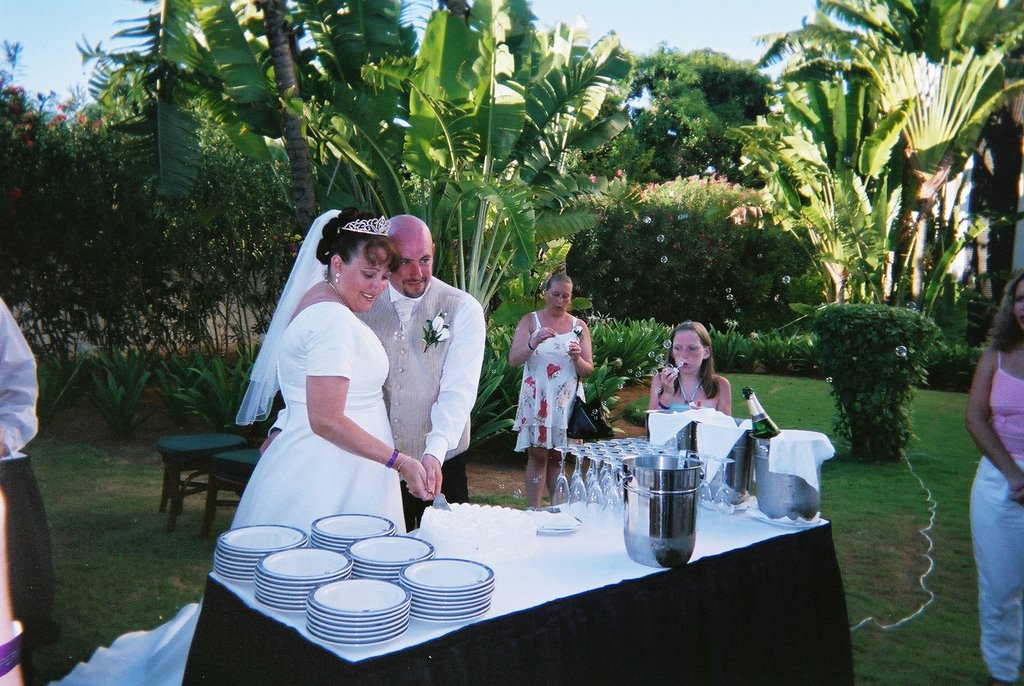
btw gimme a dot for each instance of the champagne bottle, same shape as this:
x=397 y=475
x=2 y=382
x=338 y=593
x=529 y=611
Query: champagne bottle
x=763 y=427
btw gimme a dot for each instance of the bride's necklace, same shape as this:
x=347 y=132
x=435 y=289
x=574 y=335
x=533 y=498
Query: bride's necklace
x=334 y=288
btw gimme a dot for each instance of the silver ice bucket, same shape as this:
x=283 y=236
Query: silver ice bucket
x=780 y=495
x=661 y=508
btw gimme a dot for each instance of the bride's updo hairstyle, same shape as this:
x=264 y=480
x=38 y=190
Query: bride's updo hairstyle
x=353 y=232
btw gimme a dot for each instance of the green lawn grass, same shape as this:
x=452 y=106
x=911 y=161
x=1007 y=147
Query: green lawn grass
x=119 y=570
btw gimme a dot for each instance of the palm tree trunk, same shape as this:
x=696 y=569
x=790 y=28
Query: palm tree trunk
x=279 y=40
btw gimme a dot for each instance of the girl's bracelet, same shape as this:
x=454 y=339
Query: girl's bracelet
x=394 y=456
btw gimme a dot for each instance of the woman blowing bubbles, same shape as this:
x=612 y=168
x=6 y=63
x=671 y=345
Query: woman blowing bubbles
x=995 y=419
x=689 y=381
x=556 y=349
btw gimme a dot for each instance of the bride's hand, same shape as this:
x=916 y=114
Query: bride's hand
x=415 y=477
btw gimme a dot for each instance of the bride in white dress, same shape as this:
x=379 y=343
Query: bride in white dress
x=335 y=453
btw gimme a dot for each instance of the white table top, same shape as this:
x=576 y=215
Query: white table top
x=591 y=557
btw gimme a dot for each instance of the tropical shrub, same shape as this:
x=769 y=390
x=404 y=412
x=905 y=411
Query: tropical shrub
x=633 y=349
x=60 y=383
x=731 y=350
x=120 y=380
x=695 y=251
x=175 y=373
x=874 y=355
x=217 y=392
x=803 y=354
x=498 y=393
x=950 y=367
x=772 y=352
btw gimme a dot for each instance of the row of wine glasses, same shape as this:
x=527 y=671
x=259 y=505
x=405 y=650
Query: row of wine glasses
x=598 y=488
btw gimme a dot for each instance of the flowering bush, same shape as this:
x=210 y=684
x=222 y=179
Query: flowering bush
x=696 y=251
x=93 y=255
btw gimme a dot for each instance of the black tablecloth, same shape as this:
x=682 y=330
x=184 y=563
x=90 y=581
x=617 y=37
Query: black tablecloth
x=771 y=613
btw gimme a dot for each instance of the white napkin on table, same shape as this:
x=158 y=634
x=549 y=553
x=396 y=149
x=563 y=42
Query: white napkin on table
x=663 y=426
x=799 y=453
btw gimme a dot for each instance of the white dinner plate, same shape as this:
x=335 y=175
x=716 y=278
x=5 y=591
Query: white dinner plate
x=449 y=608
x=390 y=550
x=351 y=596
x=362 y=641
x=786 y=522
x=304 y=563
x=353 y=526
x=441 y=594
x=261 y=538
x=442 y=619
x=554 y=523
x=448 y=574
x=370 y=623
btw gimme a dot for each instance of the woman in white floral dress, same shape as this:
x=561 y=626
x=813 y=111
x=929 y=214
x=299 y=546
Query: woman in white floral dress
x=556 y=349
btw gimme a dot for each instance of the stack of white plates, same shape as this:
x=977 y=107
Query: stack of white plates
x=448 y=589
x=338 y=532
x=238 y=550
x=358 y=611
x=284 y=580
x=383 y=557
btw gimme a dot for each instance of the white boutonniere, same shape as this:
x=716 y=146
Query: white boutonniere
x=578 y=330
x=435 y=331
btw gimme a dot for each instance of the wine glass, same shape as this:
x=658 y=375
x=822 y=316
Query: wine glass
x=720 y=496
x=595 y=496
x=577 y=488
x=560 y=493
x=725 y=499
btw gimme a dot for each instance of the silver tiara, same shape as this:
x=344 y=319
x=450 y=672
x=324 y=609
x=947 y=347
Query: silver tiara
x=378 y=226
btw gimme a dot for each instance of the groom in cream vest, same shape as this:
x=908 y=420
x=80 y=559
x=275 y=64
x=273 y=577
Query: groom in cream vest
x=434 y=335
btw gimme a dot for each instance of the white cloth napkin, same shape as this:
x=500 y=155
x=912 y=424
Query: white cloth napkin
x=715 y=441
x=663 y=426
x=799 y=453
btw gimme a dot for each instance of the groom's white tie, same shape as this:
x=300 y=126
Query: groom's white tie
x=403 y=307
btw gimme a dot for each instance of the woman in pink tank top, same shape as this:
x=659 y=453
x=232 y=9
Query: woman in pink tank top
x=995 y=420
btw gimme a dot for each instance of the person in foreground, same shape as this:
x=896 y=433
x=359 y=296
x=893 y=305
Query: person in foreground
x=10 y=632
x=689 y=380
x=995 y=420
x=556 y=350
x=27 y=532
x=334 y=454
x=434 y=335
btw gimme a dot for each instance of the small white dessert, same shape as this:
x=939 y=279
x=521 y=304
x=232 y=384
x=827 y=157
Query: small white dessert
x=479 y=532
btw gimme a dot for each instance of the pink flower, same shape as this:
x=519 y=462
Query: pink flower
x=593 y=179
x=553 y=369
